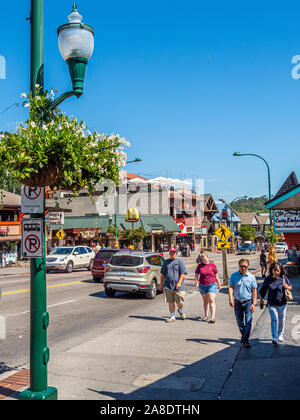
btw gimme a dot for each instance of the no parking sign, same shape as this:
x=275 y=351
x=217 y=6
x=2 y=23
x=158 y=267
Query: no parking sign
x=32 y=199
x=32 y=238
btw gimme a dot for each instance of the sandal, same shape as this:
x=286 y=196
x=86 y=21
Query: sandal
x=205 y=318
x=212 y=321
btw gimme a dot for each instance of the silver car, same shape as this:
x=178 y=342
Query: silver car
x=136 y=272
x=68 y=258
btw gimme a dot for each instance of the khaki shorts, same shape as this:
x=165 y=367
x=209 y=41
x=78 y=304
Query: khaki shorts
x=176 y=296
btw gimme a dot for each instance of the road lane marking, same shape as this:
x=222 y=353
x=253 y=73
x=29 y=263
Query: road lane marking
x=50 y=306
x=62 y=303
x=48 y=287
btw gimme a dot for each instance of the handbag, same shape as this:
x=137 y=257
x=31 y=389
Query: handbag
x=288 y=294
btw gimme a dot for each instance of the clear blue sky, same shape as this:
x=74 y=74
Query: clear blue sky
x=187 y=83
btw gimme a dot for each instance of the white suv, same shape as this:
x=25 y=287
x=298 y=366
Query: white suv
x=68 y=258
x=281 y=247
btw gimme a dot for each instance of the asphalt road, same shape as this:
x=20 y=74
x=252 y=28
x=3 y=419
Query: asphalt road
x=78 y=308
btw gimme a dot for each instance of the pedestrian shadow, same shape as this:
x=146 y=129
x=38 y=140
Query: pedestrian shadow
x=221 y=375
x=226 y=341
x=148 y=318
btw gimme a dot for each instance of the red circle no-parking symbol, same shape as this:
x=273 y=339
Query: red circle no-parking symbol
x=32 y=244
x=32 y=193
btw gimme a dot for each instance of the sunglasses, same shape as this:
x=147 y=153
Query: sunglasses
x=243 y=266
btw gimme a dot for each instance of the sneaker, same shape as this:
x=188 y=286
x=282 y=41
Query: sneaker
x=182 y=315
x=280 y=339
x=275 y=342
x=246 y=345
x=171 y=319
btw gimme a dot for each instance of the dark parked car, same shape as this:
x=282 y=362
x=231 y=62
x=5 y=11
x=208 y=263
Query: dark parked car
x=100 y=261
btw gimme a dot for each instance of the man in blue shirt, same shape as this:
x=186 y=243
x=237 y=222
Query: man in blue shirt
x=173 y=272
x=242 y=297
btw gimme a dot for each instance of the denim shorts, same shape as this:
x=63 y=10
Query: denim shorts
x=208 y=288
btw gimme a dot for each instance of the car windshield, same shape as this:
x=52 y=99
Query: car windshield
x=105 y=255
x=62 y=251
x=126 y=261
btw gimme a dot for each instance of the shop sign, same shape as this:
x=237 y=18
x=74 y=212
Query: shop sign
x=132 y=215
x=56 y=218
x=157 y=231
x=87 y=234
x=286 y=221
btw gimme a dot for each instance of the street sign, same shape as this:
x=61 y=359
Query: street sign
x=32 y=200
x=32 y=238
x=223 y=233
x=60 y=234
x=57 y=218
x=223 y=245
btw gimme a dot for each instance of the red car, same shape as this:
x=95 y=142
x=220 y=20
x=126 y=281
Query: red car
x=99 y=263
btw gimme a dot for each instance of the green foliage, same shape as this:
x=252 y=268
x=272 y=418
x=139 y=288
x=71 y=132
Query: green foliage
x=271 y=236
x=250 y=204
x=53 y=142
x=247 y=232
x=134 y=235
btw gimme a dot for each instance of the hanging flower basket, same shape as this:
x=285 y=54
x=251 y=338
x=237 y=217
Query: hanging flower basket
x=52 y=149
x=46 y=176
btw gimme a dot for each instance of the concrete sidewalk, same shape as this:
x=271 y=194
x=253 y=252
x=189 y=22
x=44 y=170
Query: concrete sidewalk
x=146 y=358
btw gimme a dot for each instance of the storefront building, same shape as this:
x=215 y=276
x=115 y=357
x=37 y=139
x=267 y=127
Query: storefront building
x=285 y=207
x=89 y=230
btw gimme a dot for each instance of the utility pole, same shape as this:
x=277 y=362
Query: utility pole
x=39 y=317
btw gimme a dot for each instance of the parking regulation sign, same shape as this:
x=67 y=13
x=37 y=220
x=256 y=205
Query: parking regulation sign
x=32 y=199
x=32 y=238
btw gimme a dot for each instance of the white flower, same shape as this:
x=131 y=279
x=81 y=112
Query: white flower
x=36 y=85
x=33 y=124
x=27 y=105
x=23 y=95
x=45 y=127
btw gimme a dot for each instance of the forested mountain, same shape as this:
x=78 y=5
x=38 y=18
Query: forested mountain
x=249 y=204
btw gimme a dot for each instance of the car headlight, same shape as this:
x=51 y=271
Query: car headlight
x=62 y=259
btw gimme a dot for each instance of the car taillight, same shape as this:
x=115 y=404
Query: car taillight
x=143 y=270
x=106 y=268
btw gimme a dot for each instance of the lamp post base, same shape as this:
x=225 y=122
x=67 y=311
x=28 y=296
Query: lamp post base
x=49 y=394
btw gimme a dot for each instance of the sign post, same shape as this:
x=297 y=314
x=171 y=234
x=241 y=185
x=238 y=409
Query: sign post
x=39 y=317
x=224 y=233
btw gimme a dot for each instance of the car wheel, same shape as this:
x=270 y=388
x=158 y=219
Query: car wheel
x=109 y=292
x=152 y=292
x=69 y=267
x=98 y=279
x=90 y=265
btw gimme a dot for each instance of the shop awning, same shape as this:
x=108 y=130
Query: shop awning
x=149 y=223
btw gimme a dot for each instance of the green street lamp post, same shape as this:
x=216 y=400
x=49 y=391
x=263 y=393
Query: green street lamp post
x=115 y=197
x=269 y=175
x=76 y=43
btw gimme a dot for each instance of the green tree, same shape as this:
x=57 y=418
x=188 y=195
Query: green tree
x=247 y=232
x=271 y=236
x=134 y=236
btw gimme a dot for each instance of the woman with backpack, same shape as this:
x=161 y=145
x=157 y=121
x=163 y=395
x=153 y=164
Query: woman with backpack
x=276 y=285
